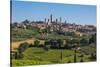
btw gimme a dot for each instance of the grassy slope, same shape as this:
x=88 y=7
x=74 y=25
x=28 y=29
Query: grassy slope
x=33 y=56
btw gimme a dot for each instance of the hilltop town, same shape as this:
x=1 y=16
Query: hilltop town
x=54 y=25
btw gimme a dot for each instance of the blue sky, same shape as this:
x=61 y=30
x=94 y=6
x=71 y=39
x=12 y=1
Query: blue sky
x=80 y=14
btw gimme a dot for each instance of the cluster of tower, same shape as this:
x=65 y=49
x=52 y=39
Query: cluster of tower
x=50 y=21
x=53 y=25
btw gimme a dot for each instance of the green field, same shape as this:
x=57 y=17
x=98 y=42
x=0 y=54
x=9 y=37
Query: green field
x=35 y=56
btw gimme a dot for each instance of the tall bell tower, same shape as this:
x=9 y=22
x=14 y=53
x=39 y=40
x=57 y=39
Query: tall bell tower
x=51 y=18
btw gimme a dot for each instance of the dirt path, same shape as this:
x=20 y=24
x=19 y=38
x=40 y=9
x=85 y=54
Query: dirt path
x=15 y=45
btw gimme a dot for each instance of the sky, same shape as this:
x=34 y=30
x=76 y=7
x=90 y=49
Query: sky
x=37 y=11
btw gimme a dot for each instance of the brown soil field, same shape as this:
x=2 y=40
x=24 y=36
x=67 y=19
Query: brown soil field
x=15 y=45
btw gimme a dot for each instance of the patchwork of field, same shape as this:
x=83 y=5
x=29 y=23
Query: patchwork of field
x=21 y=35
x=36 y=55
